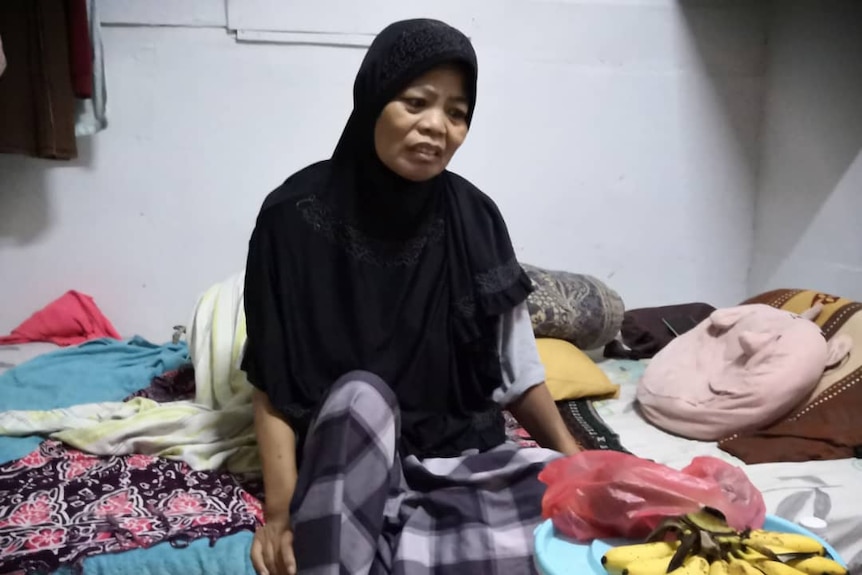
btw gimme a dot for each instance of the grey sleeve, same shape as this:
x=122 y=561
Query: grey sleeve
x=519 y=358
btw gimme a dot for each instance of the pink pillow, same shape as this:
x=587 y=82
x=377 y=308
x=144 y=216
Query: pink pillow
x=740 y=369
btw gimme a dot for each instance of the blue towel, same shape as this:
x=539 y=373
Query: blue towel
x=99 y=370
x=229 y=556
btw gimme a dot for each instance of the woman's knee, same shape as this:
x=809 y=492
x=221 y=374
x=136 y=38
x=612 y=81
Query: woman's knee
x=359 y=407
x=361 y=388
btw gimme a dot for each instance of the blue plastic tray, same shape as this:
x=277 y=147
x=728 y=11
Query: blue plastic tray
x=557 y=555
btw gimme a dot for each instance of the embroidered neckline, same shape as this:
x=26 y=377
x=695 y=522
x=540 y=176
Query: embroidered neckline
x=361 y=247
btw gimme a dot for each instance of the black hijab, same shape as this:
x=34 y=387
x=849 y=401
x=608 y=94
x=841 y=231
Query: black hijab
x=352 y=267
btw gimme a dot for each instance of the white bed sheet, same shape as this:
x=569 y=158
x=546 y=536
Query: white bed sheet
x=12 y=355
x=830 y=490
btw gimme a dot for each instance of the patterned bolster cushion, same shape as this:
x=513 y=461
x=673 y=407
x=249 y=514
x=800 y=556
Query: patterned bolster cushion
x=575 y=307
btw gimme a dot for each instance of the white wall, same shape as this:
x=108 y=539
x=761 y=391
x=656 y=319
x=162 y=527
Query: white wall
x=808 y=231
x=620 y=139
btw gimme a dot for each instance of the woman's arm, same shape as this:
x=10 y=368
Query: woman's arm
x=277 y=444
x=524 y=392
x=272 y=548
x=536 y=411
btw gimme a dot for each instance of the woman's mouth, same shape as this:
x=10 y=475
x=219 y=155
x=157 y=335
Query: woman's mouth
x=426 y=152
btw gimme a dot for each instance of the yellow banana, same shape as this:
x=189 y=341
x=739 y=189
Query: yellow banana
x=795 y=542
x=617 y=558
x=742 y=567
x=777 y=549
x=693 y=565
x=707 y=520
x=653 y=566
x=749 y=555
x=818 y=566
x=777 y=568
x=720 y=567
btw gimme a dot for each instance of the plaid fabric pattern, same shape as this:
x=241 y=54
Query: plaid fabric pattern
x=360 y=508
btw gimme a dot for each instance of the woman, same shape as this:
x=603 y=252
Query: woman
x=387 y=325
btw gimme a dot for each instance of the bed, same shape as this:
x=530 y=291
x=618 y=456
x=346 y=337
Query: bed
x=827 y=490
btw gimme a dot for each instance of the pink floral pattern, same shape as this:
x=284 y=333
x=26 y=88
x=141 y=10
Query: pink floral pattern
x=186 y=503
x=59 y=506
x=79 y=463
x=46 y=539
x=137 y=525
x=208 y=519
x=516 y=433
x=253 y=505
x=139 y=461
x=35 y=512
x=115 y=505
x=34 y=459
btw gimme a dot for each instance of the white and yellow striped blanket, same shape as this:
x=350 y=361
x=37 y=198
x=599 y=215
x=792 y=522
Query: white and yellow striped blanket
x=216 y=430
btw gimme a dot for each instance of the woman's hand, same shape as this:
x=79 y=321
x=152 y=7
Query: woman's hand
x=536 y=411
x=272 y=549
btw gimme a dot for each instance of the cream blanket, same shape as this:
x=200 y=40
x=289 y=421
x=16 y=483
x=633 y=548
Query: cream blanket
x=216 y=430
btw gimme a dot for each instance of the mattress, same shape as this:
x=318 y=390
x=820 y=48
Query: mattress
x=830 y=491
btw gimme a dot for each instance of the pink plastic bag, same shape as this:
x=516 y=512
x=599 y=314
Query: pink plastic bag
x=595 y=494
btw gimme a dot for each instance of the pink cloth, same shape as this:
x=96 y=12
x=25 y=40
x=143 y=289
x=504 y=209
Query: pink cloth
x=740 y=369
x=71 y=319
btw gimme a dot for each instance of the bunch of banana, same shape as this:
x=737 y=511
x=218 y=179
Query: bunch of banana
x=703 y=543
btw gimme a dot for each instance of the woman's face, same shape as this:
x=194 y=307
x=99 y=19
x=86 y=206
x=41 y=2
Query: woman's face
x=419 y=131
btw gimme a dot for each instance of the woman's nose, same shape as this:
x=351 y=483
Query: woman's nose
x=433 y=121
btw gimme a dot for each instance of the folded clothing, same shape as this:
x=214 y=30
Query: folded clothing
x=646 y=331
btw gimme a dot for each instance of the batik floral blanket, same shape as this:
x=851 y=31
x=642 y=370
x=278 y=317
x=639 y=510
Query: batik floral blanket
x=59 y=506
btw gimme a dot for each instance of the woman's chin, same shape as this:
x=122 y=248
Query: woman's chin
x=419 y=172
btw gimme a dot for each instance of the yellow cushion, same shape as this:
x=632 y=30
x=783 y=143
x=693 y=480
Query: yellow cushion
x=570 y=373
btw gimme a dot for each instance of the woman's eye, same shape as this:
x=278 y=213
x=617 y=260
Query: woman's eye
x=414 y=102
x=458 y=114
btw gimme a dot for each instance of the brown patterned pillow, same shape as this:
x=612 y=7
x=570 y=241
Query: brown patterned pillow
x=578 y=308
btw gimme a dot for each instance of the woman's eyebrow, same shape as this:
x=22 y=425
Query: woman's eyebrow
x=428 y=89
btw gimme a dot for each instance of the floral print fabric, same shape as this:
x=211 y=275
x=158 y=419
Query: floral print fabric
x=59 y=506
